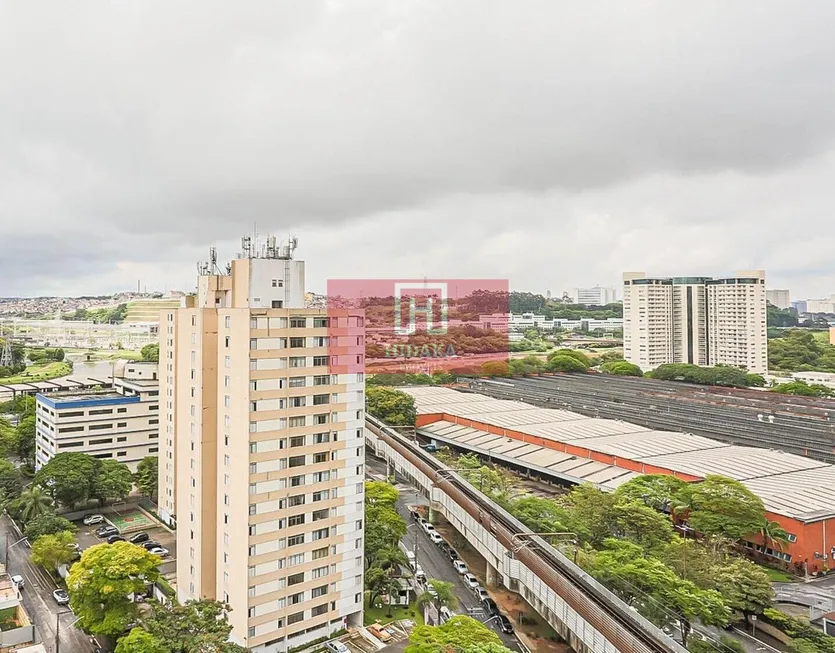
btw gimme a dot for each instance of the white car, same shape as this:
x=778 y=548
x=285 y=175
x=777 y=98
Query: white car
x=336 y=647
x=90 y=520
x=19 y=582
x=435 y=537
x=471 y=581
x=460 y=566
x=160 y=551
x=446 y=613
x=428 y=528
x=61 y=597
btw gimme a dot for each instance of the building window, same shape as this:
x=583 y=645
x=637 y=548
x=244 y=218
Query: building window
x=226 y=341
x=319 y=610
x=320 y=361
x=227 y=321
x=298 y=323
x=295 y=579
x=298 y=361
x=296 y=422
x=295 y=520
x=320 y=322
x=320 y=534
x=321 y=438
x=295 y=618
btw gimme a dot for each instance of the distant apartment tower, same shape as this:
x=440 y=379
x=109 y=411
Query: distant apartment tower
x=596 y=296
x=262 y=465
x=779 y=298
x=120 y=424
x=695 y=320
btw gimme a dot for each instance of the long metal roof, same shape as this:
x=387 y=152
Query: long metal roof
x=790 y=485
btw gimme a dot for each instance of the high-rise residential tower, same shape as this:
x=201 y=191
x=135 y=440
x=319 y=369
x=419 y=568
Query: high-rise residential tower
x=780 y=298
x=596 y=296
x=261 y=454
x=695 y=320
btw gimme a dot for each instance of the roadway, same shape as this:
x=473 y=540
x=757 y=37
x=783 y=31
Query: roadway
x=38 y=600
x=434 y=562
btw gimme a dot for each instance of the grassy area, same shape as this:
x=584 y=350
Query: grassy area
x=373 y=615
x=39 y=372
x=778 y=575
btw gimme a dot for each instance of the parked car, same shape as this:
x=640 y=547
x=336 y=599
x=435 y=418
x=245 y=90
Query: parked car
x=435 y=537
x=336 y=647
x=410 y=556
x=420 y=575
x=481 y=593
x=140 y=537
x=446 y=613
x=160 y=551
x=460 y=566
x=443 y=545
x=150 y=544
x=504 y=624
x=471 y=581
x=428 y=528
x=19 y=582
x=115 y=538
x=453 y=554
x=61 y=597
x=490 y=607
x=90 y=520
x=416 y=515
x=106 y=531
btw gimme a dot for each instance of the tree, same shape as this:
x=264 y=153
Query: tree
x=33 y=503
x=52 y=551
x=571 y=353
x=380 y=493
x=540 y=515
x=8 y=438
x=655 y=490
x=655 y=589
x=720 y=506
x=621 y=368
x=9 y=479
x=490 y=480
x=527 y=365
x=495 y=368
x=645 y=526
x=691 y=560
x=444 y=594
x=803 y=389
x=147 y=474
x=383 y=529
x=565 y=364
x=48 y=524
x=26 y=438
x=389 y=558
x=744 y=586
x=380 y=583
x=391 y=406
x=773 y=534
x=589 y=513
x=199 y=626
x=70 y=476
x=102 y=582
x=141 y=641
x=150 y=353
x=113 y=481
x=458 y=635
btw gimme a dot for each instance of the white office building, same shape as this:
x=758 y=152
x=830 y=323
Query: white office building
x=695 y=320
x=121 y=424
x=779 y=298
x=596 y=296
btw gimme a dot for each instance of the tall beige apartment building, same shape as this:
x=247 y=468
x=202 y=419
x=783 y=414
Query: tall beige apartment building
x=261 y=451
x=695 y=320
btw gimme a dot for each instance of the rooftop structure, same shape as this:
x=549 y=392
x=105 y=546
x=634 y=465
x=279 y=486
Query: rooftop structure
x=796 y=490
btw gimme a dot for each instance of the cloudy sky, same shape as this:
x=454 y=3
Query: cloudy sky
x=553 y=143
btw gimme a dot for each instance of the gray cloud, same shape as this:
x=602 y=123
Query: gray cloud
x=555 y=142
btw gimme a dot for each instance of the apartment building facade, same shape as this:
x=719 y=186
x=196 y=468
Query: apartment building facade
x=121 y=424
x=696 y=320
x=262 y=463
x=779 y=298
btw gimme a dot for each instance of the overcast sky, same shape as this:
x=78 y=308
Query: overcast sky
x=553 y=143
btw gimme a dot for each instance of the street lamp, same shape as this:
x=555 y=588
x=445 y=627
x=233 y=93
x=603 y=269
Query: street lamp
x=58 y=628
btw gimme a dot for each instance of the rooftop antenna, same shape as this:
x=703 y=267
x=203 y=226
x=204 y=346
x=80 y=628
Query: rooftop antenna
x=6 y=359
x=246 y=246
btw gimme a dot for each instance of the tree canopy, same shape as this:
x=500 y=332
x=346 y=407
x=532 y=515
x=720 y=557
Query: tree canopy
x=458 y=635
x=621 y=368
x=113 y=480
x=721 y=375
x=721 y=506
x=147 y=474
x=48 y=524
x=150 y=352
x=101 y=583
x=803 y=389
x=77 y=477
x=391 y=406
x=797 y=350
x=200 y=626
x=655 y=490
x=51 y=551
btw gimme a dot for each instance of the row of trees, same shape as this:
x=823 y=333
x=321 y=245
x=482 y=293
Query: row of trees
x=437 y=378
x=383 y=529
x=114 y=315
x=525 y=302
x=721 y=375
x=803 y=389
